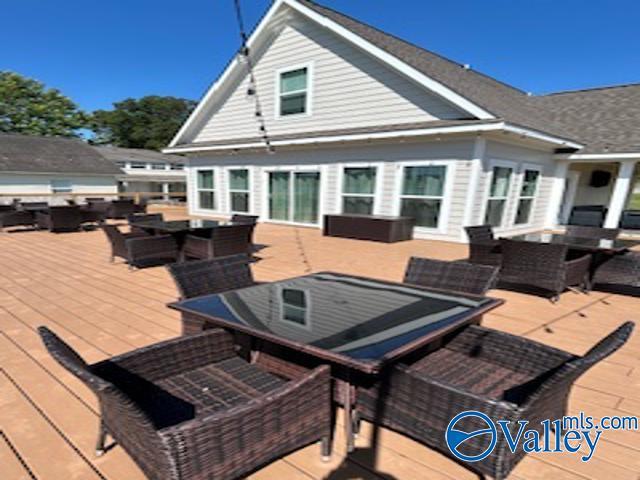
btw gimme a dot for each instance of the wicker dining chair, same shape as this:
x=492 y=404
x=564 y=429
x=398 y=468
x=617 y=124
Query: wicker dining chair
x=543 y=267
x=619 y=274
x=457 y=276
x=592 y=232
x=60 y=219
x=504 y=376
x=484 y=249
x=224 y=240
x=119 y=209
x=141 y=250
x=217 y=275
x=190 y=408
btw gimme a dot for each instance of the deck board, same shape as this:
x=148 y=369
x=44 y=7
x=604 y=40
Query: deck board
x=48 y=418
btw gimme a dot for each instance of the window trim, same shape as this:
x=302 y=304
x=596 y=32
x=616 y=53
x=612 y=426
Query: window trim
x=249 y=189
x=506 y=216
x=377 y=188
x=446 y=198
x=534 y=198
x=308 y=111
x=215 y=190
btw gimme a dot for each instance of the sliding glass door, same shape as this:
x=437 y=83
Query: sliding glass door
x=294 y=196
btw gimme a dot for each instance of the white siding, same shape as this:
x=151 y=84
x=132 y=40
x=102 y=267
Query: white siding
x=348 y=89
x=17 y=184
x=455 y=152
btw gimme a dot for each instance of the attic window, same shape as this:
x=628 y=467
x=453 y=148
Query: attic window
x=294 y=85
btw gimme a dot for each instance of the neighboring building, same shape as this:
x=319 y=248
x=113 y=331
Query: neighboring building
x=362 y=121
x=48 y=165
x=147 y=171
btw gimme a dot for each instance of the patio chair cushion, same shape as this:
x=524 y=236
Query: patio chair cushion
x=194 y=393
x=474 y=375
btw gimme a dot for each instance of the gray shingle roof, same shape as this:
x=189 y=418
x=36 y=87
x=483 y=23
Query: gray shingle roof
x=578 y=116
x=119 y=154
x=25 y=153
x=605 y=119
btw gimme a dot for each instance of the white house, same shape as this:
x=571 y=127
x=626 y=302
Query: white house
x=32 y=166
x=363 y=122
x=147 y=170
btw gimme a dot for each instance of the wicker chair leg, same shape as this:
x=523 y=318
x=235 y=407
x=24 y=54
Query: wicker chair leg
x=325 y=447
x=102 y=437
x=356 y=424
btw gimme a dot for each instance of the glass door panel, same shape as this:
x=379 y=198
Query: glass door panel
x=306 y=193
x=279 y=195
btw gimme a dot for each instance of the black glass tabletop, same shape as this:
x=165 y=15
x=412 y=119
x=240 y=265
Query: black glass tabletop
x=356 y=317
x=584 y=243
x=180 y=225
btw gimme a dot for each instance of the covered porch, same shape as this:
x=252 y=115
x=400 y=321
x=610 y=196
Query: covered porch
x=601 y=192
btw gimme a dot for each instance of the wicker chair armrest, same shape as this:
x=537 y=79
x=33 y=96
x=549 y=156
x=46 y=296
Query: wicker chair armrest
x=508 y=350
x=265 y=428
x=172 y=357
x=139 y=245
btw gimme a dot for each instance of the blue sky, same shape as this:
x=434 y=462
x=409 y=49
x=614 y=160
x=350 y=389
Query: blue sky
x=101 y=52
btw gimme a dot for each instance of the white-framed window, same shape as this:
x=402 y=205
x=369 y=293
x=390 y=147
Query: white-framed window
x=206 y=189
x=158 y=166
x=359 y=189
x=293 y=91
x=61 y=186
x=138 y=165
x=422 y=193
x=528 y=192
x=177 y=166
x=295 y=306
x=499 y=188
x=239 y=190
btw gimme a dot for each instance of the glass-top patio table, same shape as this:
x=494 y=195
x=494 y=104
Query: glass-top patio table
x=355 y=324
x=180 y=226
x=590 y=244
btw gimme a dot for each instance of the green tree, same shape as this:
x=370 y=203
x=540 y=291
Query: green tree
x=148 y=122
x=27 y=106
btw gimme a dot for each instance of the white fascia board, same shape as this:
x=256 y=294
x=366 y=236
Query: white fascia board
x=227 y=72
x=394 y=62
x=599 y=156
x=423 y=132
x=534 y=134
x=348 y=138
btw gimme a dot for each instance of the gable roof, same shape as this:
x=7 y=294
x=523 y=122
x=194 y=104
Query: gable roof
x=120 y=154
x=489 y=99
x=33 y=154
x=604 y=119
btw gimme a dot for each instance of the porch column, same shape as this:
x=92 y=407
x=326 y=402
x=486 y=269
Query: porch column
x=620 y=193
x=557 y=191
x=165 y=191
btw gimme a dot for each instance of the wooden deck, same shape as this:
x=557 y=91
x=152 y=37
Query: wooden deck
x=48 y=419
